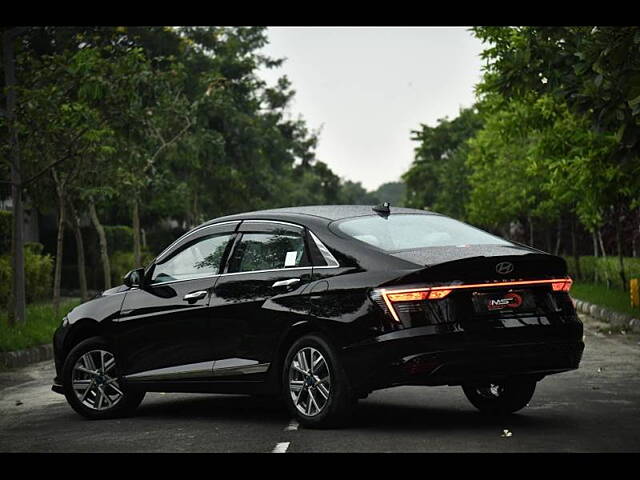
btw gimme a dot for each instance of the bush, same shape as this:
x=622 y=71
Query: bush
x=5 y=231
x=605 y=267
x=119 y=237
x=38 y=270
x=122 y=262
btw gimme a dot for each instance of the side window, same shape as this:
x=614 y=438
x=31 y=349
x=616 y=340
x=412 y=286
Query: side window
x=199 y=259
x=268 y=251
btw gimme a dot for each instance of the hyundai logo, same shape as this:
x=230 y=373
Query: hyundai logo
x=504 y=267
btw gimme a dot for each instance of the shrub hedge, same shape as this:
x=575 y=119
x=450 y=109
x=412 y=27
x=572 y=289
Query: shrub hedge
x=38 y=274
x=605 y=268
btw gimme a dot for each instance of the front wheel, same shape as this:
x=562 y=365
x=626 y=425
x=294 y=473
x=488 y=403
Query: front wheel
x=316 y=389
x=92 y=385
x=500 y=398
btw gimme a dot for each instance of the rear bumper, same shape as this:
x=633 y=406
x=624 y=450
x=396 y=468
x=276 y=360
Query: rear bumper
x=448 y=355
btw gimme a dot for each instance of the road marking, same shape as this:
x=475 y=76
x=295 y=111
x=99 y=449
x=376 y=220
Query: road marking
x=281 y=447
x=293 y=425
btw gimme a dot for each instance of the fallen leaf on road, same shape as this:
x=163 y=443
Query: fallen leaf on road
x=506 y=433
x=18 y=403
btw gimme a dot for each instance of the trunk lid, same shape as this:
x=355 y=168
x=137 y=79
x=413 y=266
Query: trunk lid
x=480 y=263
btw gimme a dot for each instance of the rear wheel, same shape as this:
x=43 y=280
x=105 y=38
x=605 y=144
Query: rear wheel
x=315 y=387
x=92 y=385
x=500 y=398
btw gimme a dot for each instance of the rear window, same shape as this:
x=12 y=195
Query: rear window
x=407 y=231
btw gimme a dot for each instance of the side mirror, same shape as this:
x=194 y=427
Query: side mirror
x=134 y=278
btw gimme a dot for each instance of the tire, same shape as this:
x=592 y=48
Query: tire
x=90 y=394
x=329 y=387
x=500 y=398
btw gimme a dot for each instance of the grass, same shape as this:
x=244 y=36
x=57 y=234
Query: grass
x=37 y=330
x=610 y=298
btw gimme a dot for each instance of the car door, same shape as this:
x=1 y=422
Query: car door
x=266 y=272
x=164 y=326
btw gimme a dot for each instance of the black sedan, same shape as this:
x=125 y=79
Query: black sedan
x=322 y=305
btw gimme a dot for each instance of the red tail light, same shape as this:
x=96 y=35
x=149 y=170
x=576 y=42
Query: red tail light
x=409 y=296
x=563 y=286
x=436 y=293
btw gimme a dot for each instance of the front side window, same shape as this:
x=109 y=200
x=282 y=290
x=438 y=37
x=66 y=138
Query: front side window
x=409 y=231
x=268 y=251
x=199 y=259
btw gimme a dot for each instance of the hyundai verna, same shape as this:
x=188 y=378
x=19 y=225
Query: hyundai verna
x=322 y=305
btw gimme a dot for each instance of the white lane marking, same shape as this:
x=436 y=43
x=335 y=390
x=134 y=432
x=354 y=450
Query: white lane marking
x=281 y=447
x=293 y=425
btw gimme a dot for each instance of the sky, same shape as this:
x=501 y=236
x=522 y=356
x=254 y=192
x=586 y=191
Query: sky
x=366 y=88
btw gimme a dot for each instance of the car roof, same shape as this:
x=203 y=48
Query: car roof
x=327 y=212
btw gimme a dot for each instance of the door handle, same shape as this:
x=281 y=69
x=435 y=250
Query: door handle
x=285 y=283
x=193 y=296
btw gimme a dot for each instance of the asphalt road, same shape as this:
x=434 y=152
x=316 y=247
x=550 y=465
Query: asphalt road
x=593 y=409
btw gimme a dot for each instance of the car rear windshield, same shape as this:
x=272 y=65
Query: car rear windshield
x=410 y=231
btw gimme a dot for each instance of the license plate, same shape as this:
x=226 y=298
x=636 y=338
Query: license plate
x=519 y=300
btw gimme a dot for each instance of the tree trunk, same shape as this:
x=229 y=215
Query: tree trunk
x=530 y=220
x=619 y=219
x=548 y=239
x=559 y=236
x=594 y=237
x=137 y=251
x=57 y=277
x=17 y=303
x=102 y=239
x=143 y=238
x=195 y=213
x=602 y=250
x=574 y=248
x=604 y=262
x=82 y=275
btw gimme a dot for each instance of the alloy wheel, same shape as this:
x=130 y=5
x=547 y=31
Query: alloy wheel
x=309 y=381
x=94 y=381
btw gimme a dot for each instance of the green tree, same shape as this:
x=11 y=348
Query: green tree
x=437 y=178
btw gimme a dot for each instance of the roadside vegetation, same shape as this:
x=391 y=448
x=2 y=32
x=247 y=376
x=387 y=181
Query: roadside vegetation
x=37 y=330
x=613 y=299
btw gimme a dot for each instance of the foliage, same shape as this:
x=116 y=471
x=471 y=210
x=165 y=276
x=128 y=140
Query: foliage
x=534 y=158
x=119 y=237
x=437 y=179
x=595 y=69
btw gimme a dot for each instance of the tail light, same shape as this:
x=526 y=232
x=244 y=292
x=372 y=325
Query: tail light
x=562 y=286
x=388 y=299
x=391 y=297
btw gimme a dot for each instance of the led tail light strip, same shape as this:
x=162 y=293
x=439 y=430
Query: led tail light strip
x=391 y=296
